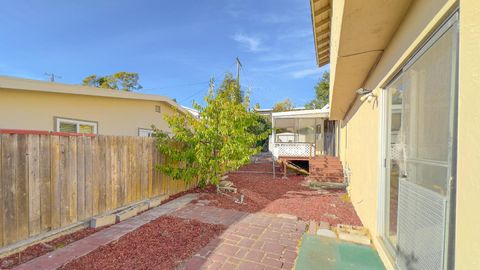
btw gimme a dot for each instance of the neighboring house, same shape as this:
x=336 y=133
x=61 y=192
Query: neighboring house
x=38 y=105
x=302 y=134
x=194 y=112
x=268 y=111
x=405 y=87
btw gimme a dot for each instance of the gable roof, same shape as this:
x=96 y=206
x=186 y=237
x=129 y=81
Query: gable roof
x=21 y=84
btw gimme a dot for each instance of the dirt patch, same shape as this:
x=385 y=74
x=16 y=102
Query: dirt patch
x=160 y=244
x=40 y=249
x=289 y=196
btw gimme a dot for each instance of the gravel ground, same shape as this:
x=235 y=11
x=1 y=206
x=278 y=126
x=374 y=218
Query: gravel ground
x=277 y=196
x=40 y=249
x=160 y=244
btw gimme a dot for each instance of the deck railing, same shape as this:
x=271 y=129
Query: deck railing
x=298 y=149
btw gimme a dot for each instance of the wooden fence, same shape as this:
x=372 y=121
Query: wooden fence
x=49 y=182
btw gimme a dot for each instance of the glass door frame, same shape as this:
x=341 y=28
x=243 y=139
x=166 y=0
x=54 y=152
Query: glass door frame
x=385 y=124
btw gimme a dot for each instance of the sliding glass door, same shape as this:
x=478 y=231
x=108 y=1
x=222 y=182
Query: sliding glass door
x=419 y=136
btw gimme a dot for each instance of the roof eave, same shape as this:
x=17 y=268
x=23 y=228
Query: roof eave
x=321 y=20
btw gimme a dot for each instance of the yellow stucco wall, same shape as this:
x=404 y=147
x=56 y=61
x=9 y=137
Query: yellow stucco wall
x=468 y=162
x=36 y=111
x=360 y=139
x=360 y=158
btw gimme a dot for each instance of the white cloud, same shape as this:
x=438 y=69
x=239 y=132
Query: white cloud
x=305 y=73
x=253 y=44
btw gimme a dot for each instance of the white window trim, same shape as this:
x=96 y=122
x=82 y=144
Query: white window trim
x=150 y=132
x=59 y=120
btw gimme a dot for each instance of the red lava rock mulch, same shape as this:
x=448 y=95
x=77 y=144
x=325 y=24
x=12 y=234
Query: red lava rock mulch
x=40 y=249
x=160 y=244
x=262 y=193
x=259 y=168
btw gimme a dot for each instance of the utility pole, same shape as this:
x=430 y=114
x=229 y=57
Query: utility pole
x=52 y=76
x=239 y=65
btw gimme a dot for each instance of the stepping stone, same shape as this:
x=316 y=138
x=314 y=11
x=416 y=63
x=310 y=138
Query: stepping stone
x=324 y=225
x=326 y=233
x=127 y=213
x=154 y=202
x=312 y=227
x=354 y=238
x=101 y=221
x=287 y=216
x=355 y=234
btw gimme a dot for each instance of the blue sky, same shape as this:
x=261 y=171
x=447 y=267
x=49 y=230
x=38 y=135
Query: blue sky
x=175 y=46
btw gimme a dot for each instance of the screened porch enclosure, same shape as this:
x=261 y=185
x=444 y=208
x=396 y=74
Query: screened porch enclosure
x=302 y=134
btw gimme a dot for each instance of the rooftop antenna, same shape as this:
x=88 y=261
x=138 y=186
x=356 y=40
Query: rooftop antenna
x=52 y=76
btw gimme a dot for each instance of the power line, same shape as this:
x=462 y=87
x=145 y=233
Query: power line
x=192 y=95
x=236 y=62
x=174 y=86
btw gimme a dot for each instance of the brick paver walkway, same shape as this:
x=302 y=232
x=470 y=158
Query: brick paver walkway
x=251 y=241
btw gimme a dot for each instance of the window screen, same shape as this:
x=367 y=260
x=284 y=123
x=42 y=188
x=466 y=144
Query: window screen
x=76 y=126
x=67 y=127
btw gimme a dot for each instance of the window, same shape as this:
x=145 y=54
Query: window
x=75 y=126
x=158 y=108
x=143 y=132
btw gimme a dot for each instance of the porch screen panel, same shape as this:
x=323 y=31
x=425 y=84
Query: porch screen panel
x=285 y=130
x=306 y=130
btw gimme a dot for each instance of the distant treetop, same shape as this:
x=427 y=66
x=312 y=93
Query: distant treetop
x=125 y=81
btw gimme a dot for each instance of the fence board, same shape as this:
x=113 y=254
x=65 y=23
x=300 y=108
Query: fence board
x=102 y=203
x=21 y=188
x=45 y=184
x=34 y=192
x=144 y=174
x=108 y=174
x=9 y=163
x=129 y=170
x=115 y=173
x=64 y=200
x=88 y=177
x=56 y=184
x=72 y=179
x=81 y=177
x=123 y=170
x=95 y=177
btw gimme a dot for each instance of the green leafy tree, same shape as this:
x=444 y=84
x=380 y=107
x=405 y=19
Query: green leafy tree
x=321 y=93
x=221 y=140
x=283 y=106
x=232 y=87
x=125 y=81
x=263 y=126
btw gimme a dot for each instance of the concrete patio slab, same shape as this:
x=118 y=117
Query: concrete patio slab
x=318 y=252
